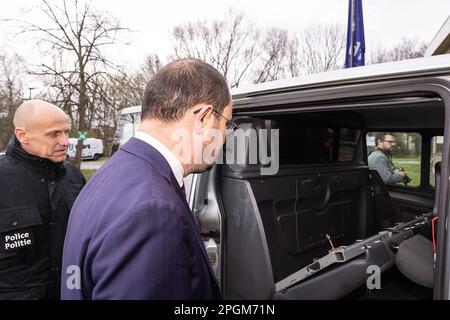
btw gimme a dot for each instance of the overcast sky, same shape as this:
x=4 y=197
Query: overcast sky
x=386 y=21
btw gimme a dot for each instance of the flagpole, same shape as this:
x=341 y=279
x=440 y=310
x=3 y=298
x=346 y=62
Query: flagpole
x=352 y=35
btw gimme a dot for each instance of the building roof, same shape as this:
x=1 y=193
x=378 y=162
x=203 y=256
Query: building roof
x=441 y=41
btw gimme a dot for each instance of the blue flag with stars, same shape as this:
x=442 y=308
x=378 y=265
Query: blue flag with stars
x=355 y=36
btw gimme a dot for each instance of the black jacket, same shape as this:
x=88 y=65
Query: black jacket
x=36 y=196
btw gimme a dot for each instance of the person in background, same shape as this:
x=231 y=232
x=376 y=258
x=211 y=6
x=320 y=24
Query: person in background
x=37 y=191
x=380 y=159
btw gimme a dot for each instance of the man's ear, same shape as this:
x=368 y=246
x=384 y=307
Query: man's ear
x=21 y=135
x=203 y=116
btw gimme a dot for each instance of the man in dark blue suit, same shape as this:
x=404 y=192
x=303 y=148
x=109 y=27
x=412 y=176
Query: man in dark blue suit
x=131 y=234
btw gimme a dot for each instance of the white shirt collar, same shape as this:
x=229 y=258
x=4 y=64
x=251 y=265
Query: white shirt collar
x=173 y=161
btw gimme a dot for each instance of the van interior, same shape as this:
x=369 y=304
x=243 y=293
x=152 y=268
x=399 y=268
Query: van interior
x=279 y=232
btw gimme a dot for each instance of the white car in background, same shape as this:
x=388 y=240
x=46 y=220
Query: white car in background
x=92 y=148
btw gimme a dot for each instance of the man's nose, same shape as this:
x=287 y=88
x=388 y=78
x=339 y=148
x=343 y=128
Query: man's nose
x=64 y=141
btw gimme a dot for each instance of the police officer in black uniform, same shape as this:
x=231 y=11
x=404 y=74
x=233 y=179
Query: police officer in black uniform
x=37 y=191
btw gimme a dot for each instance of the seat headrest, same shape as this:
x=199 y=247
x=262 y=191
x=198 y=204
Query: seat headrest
x=437 y=167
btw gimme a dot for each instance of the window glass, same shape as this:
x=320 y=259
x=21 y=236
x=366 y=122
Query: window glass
x=348 y=143
x=316 y=143
x=396 y=156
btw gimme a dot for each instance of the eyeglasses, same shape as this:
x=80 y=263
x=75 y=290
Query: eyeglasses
x=230 y=126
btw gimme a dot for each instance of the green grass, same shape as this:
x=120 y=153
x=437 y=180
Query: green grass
x=87 y=173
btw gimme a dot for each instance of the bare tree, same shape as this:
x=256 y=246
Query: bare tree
x=294 y=64
x=228 y=44
x=134 y=84
x=12 y=70
x=322 y=48
x=273 y=55
x=406 y=49
x=75 y=35
x=116 y=92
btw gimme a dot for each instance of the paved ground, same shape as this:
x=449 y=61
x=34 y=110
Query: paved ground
x=92 y=165
x=408 y=161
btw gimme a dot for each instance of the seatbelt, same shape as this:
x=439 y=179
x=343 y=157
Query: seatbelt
x=433 y=234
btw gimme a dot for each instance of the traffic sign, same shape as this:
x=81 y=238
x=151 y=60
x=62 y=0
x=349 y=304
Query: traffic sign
x=82 y=135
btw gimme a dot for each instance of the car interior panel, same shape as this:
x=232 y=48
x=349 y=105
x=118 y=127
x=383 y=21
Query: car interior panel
x=323 y=197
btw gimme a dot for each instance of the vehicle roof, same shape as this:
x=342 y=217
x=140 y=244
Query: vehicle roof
x=87 y=139
x=132 y=109
x=435 y=65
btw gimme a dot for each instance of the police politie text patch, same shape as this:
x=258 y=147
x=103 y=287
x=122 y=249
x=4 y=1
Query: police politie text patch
x=16 y=240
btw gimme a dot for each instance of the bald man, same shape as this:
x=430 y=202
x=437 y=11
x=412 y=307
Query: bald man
x=37 y=191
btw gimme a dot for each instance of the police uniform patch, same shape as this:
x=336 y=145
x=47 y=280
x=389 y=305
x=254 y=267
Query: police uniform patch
x=16 y=240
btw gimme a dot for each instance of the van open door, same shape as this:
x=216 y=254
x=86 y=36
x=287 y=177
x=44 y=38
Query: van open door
x=442 y=264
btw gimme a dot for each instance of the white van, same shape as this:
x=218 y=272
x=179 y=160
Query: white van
x=92 y=148
x=127 y=126
x=324 y=225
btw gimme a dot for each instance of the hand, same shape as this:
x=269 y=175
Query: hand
x=404 y=177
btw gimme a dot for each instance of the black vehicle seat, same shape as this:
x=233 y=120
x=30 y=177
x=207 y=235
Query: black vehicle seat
x=415 y=258
x=385 y=213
